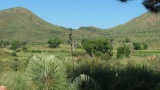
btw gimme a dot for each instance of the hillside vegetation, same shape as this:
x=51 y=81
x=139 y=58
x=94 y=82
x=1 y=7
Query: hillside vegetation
x=145 y=28
x=21 y=24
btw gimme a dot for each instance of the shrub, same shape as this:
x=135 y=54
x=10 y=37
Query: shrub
x=47 y=73
x=127 y=40
x=15 y=64
x=17 y=44
x=97 y=47
x=36 y=51
x=123 y=51
x=13 y=54
x=24 y=48
x=145 y=46
x=85 y=82
x=54 y=43
x=137 y=46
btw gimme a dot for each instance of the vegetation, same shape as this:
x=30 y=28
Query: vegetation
x=123 y=51
x=151 y=5
x=54 y=43
x=140 y=46
x=43 y=70
x=97 y=47
x=46 y=73
x=17 y=44
x=137 y=46
x=35 y=66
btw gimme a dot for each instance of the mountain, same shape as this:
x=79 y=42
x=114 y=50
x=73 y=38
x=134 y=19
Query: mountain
x=21 y=24
x=145 y=28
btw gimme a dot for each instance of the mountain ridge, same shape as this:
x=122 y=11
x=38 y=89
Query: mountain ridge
x=21 y=24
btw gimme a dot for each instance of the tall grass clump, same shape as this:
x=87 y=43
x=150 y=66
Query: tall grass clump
x=14 y=81
x=138 y=77
x=103 y=75
x=47 y=73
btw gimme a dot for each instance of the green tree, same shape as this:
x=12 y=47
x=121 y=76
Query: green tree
x=54 y=43
x=15 y=44
x=123 y=51
x=151 y=5
x=97 y=47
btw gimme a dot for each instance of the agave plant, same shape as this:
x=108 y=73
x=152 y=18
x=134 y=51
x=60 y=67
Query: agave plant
x=85 y=82
x=46 y=73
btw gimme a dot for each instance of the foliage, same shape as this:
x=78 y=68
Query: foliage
x=85 y=82
x=137 y=46
x=47 y=73
x=14 y=54
x=15 y=64
x=15 y=81
x=97 y=47
x=145 y=46
x=54 y=43
x=123 y=51
x=151 y=5
x=131 y=76
x=140 y=46
x=3 y=43
x=127 y=40
x=36 y=51
x=17 y=44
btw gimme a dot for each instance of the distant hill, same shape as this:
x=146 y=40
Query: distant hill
x=21 y=24
x=145 y=28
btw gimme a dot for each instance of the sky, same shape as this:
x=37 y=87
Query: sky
x=102 y=14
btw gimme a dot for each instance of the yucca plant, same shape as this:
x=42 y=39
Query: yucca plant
x=47 y=73
x=85 y=82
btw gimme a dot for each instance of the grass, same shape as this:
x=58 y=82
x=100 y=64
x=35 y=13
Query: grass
x=103 y=72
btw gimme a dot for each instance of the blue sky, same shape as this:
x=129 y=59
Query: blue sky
x=76 y=13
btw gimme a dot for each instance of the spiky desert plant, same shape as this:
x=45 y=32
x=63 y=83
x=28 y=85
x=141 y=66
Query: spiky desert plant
x=85 y=82
x=47 y=73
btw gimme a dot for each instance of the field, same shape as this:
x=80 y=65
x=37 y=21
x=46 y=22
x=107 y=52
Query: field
x=139 y=71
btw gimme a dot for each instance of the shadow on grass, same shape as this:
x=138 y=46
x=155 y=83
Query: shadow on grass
x=132 y=77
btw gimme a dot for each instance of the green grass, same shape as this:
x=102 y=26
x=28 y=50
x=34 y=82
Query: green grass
x=101 y=71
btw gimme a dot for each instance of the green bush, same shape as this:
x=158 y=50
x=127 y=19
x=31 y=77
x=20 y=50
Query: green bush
x=137 y=46
x=127 y=40
x=24 y=48
x=123 y=51
x=140 y=46
x=54 y=43
x=15 y=64
x=97 y=47
x=17 y=44
x=36 y=51
x=14 y=54
x=145 y=46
